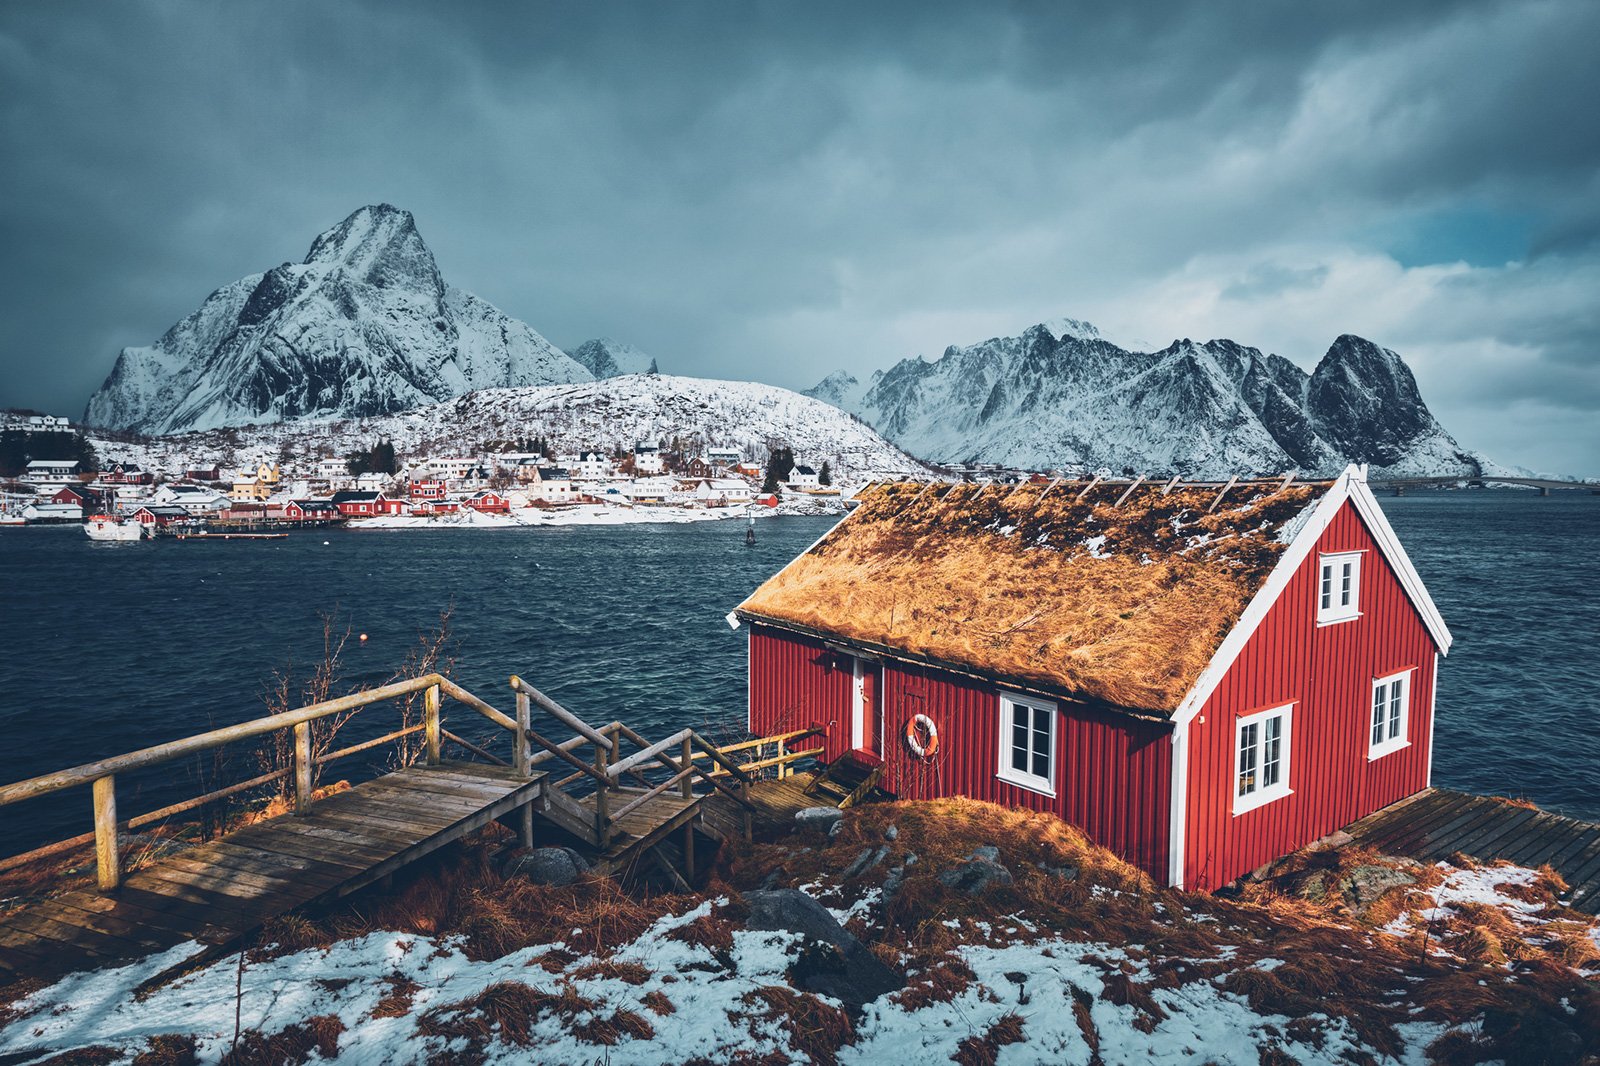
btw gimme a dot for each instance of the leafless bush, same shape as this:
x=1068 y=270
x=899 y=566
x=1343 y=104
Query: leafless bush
x=285 y=693
x=434 y=653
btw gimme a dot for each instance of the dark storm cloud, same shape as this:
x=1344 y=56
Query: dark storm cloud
x=777 y=190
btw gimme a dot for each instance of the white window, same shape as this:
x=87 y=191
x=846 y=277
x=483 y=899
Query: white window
x=1339 y=588
x=1028 y=743
x=1391 y=714
x=1261 y=759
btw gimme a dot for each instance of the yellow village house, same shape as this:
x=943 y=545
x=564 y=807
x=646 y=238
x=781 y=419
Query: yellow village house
x=256 y=484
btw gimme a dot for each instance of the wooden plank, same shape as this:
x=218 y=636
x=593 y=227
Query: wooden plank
x=1472 y=816
x=33 y=925
x=297 y=841
x=209 y=920
x=1480 y=844
x=1585 y=865
x=467 y=792
x=1412 y=821
x=1584 y=836
x=116 y=908
x=391 y=814
x=148 y=937
x=1540 y=840
x=312 y=834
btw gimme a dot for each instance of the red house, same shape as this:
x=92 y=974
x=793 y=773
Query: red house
x=309 y=510
x=428 y=489
x=489 y=501
x=1202 y=678
x=354 y=504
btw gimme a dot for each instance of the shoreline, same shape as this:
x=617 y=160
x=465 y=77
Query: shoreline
x=585 y=515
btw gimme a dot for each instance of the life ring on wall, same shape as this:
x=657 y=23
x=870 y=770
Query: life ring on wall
x=922 y=736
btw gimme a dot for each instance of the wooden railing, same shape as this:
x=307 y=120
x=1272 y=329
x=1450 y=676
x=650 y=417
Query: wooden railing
x=102 y=775
x=609 y=766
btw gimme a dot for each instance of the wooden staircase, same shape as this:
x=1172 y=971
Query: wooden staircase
x=847 y=780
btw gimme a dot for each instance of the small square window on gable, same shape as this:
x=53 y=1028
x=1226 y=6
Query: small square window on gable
x=1261 y=758
x=1391 y=714
x=1338 y=587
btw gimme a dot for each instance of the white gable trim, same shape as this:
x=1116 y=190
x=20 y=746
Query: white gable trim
x=1400 y=562
x=1266 y=596
x=1178 y=806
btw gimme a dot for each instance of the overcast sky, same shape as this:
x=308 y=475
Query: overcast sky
x=777 y=191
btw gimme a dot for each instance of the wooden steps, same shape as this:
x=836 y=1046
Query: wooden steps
x=846 y=781
x=1439 y=823
x=216 y=893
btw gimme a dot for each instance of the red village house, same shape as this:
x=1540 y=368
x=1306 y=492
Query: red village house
x=1202 y=680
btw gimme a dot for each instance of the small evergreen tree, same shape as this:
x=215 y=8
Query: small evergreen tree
x=825 y=475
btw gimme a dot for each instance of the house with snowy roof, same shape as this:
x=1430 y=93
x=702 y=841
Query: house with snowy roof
x=1203 y=678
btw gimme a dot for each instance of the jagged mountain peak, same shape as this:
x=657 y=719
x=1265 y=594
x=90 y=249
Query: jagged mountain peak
x=365 y=325
x=607 y=358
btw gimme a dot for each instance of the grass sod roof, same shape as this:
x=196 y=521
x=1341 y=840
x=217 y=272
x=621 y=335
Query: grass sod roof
x=1124 y=603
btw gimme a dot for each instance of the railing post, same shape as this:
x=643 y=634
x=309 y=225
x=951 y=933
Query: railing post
x=784 y=769
x=744 y=795
x=302 y=768
x=688 y=761
x=105 y=832
x=519 y=744
x=430 y=718
x=602 y=827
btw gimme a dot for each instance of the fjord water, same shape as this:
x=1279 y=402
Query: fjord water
x=111 y=647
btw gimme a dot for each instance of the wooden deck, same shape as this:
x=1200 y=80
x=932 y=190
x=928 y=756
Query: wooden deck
x=776 y=803
x=218 y=892
x=1439 y=823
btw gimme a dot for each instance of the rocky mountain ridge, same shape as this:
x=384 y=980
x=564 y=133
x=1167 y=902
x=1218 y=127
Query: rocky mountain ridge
x=1060 y=395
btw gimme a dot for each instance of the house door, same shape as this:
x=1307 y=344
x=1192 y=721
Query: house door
x=866 y=718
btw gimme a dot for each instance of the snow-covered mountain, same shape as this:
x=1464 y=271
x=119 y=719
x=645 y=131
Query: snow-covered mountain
x=1062 y=396
x=606 y=358
x=614 y=413
x=365 y=325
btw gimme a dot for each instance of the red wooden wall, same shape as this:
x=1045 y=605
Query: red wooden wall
x=1328 y=673
x=1112 y=776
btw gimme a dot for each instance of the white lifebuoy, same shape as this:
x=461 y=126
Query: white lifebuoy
x=915 y=728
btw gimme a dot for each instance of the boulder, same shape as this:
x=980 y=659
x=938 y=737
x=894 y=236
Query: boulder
x=548 y=866
x=832 y=962
x=981 y=870
x=818 y=817
x=868 y=858
x=1363 y=885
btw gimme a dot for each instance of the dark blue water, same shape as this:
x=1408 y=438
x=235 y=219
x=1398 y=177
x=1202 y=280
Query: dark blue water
x=108 y=648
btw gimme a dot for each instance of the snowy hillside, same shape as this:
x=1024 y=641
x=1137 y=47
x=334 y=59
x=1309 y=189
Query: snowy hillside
x=615 y=413
x=365 y=325
x=606 y=358
x=1061 y=395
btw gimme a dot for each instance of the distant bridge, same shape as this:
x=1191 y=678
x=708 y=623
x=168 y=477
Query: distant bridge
x=1544 y=485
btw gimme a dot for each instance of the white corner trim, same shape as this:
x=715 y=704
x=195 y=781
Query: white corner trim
x=1178 y=807
x=1433 y=694
x=1266 y=596
x=732 y=620
x=1395 y=553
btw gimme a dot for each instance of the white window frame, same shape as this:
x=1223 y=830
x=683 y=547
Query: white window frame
x=1329 y=589
x=1393 y=740
x=1023 y=779
x=1260 y=795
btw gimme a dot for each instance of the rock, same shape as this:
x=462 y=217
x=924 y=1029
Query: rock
x=833 y=830
x=832 y=963
x=1363 y=885
x=891 y=833
x=548 y=866
x=981 y=870
x=818 y=817
x=1066 y=871
x=868 y=858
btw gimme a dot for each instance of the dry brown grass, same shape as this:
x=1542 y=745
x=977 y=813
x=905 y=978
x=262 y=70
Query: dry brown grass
x=396 y=1002
x=292 y=1046
x=627 y=972
x=613 y=1028
x=937 y=577
x=170 y=1050
x=985 y=1050
x=815 y=1028
x=659 y=1004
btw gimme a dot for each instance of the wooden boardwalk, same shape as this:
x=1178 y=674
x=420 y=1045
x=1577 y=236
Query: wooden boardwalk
x=775 y=804
x=218 y=892
x=1438 y=823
